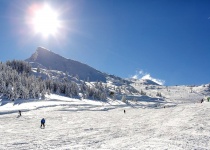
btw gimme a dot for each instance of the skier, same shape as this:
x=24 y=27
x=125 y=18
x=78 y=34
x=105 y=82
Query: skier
x=42 y=123
x=202 y=101
x=124 y=111
x=19 y=113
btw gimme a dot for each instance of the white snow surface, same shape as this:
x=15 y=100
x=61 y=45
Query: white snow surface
x=87 y=124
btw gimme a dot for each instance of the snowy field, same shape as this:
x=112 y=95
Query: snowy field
x=85 y=124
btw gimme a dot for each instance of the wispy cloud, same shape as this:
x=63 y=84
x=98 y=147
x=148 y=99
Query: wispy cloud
x=144 y=75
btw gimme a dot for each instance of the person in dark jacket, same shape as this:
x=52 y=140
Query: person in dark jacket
x=42 y=123
x=19 y=113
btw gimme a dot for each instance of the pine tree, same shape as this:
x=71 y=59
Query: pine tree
x=142 y=92
x=38 y=69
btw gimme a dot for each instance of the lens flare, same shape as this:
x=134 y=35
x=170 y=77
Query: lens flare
x=44 y=20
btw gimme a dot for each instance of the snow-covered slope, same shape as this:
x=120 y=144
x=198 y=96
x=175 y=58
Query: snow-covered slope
x=176 y=94
x=143 y=82
x=85 y=124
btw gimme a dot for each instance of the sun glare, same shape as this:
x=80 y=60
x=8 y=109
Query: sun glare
x=45 y=21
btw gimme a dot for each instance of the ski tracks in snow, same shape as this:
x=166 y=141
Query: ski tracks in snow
x=184 y=127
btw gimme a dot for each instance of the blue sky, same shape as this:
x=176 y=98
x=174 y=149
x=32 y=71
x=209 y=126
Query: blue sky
x=168 y=39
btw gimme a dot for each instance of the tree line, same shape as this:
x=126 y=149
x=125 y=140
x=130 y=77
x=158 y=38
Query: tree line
x=18 y=82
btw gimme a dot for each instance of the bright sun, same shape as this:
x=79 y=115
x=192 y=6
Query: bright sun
x=45 y=21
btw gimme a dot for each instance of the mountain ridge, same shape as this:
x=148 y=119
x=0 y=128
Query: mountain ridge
x=49 y=60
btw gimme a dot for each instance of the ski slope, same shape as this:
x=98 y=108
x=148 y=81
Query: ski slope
x=86 y=124
x=176 y=94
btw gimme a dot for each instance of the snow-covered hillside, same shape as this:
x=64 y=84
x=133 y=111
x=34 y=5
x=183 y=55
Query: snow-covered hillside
x=86 y=124
x=176 y=94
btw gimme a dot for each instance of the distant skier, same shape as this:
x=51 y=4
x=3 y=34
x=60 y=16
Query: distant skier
x=19 y=113
x=42 y=123
x=124 y=111
x=202 y=101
